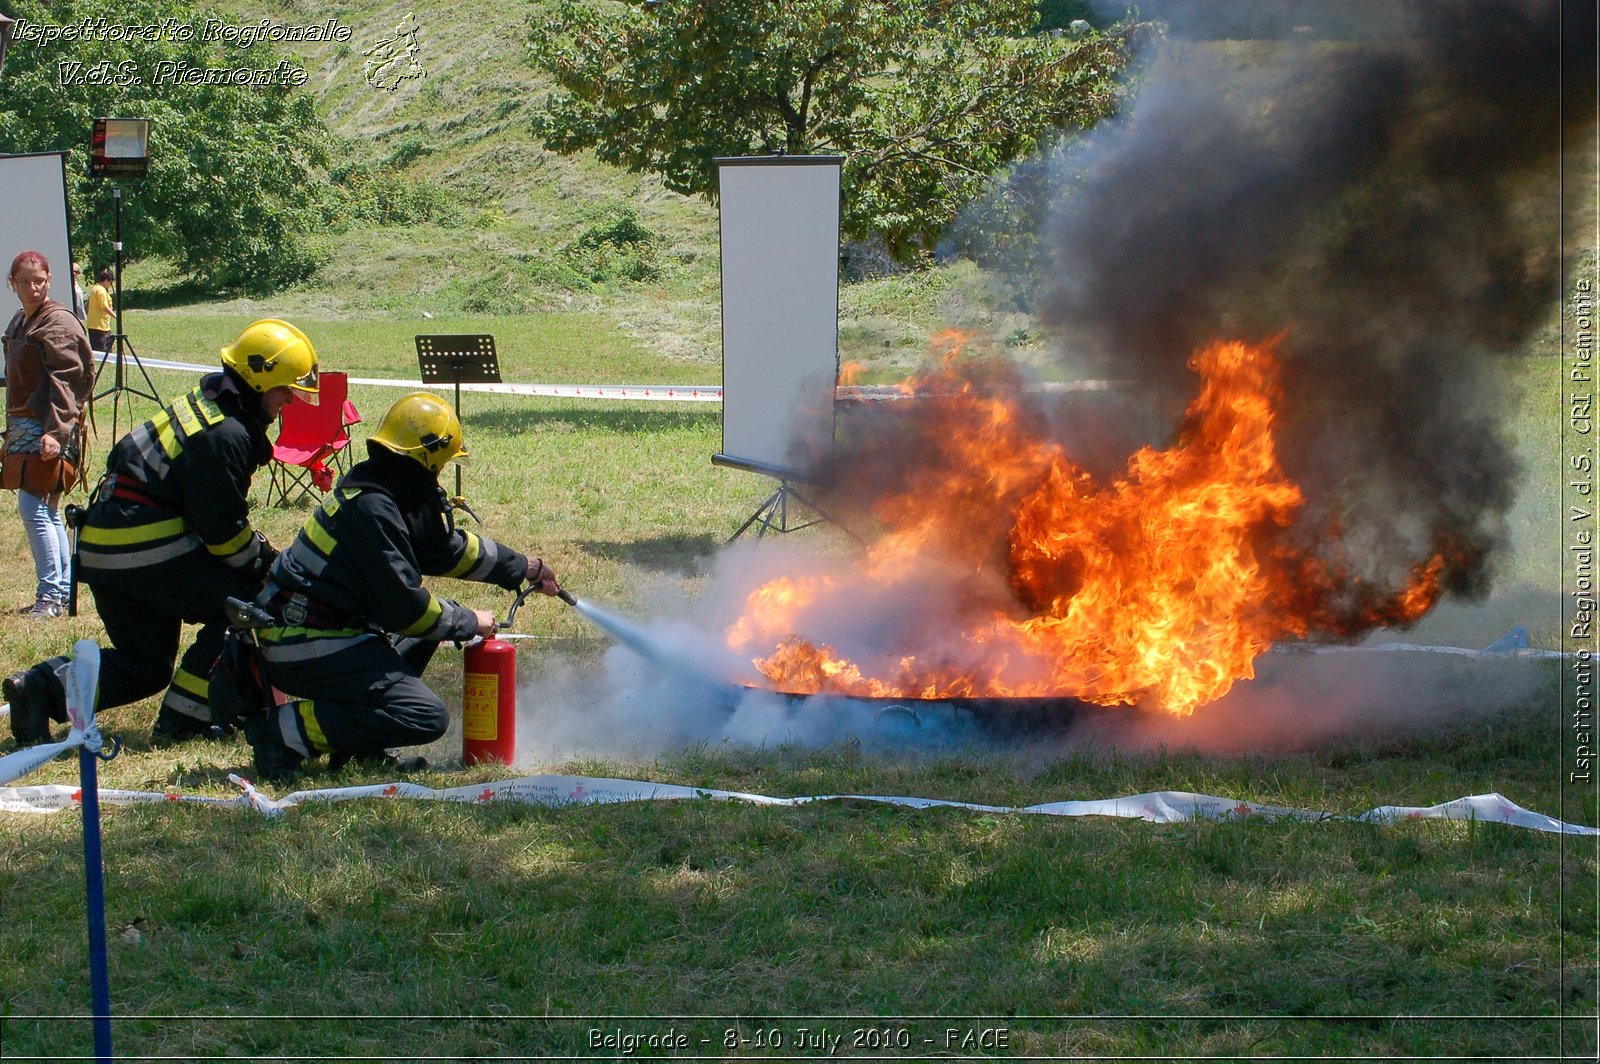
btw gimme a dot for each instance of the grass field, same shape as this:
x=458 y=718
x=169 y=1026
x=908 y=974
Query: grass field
x=415 y=931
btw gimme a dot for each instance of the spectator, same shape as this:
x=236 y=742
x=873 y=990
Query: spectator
x=100 y=315
x=80 y=302
x=49 y=373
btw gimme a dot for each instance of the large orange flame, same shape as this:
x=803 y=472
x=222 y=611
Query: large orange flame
x=1159 y=587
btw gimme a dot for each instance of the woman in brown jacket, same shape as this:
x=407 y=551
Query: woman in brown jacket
x=49 y=374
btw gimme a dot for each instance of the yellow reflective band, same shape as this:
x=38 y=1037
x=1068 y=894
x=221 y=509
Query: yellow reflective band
x=186 y=418
x=469 y=556
x=123 y=537
x=292 y=633
x=206 y=408
x=331 y=503
x=234 y=545
x=188 y=681
x=162 y=423
x=429 y=618
x=308 y=717
x=319 y=535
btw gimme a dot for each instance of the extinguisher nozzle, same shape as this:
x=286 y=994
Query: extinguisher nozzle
x=566 y=596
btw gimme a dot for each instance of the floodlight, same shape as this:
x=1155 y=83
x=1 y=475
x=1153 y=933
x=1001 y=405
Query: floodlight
x=119 y=147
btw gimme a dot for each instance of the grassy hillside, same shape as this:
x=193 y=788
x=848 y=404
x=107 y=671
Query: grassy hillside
x=502 y=210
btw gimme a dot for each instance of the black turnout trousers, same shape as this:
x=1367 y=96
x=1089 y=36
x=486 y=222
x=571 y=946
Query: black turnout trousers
x=366 y=698
x=144 y=619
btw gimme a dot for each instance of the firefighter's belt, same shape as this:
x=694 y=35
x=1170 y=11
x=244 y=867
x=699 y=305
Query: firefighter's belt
x=297 y=611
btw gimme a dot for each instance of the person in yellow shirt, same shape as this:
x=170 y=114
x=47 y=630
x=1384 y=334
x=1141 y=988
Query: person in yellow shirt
x=98 y=323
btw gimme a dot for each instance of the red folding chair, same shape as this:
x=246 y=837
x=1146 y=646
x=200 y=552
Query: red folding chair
x=312 y=441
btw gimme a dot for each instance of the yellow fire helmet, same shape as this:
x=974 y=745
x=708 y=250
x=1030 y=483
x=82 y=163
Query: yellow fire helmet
x=270 y=353
x=423 y=427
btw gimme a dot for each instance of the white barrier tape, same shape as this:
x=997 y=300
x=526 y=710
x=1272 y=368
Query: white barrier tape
x=671 y=393
x=82 y=683
x=1156 y=807
x=16 y=765
x=666 y=393
x=889 y=393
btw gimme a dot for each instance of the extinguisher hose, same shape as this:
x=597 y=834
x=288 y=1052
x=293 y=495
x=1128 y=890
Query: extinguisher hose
x=522 y=596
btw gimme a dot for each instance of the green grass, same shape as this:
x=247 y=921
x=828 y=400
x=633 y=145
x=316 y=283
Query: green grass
x=707 y=909
x=567 y=348
x=221 y=919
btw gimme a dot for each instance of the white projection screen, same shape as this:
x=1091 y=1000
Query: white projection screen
x=33 y=192
x=780 y=310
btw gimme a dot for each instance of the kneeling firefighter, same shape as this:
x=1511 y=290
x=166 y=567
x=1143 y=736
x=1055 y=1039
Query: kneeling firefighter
x=355 y=627
x=167 y=539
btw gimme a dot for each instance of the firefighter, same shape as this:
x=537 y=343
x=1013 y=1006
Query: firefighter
x=355 y=626
x=167 y=538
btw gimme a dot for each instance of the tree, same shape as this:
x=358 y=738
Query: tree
x=234 y=183
x=924 y=99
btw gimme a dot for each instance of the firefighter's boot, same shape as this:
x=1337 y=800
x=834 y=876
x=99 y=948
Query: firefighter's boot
x=382 y=759
x=174 y=727
x=36 y=698
x=276 y=760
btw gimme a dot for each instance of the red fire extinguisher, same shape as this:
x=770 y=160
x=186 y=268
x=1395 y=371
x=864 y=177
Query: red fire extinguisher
x=489 y=703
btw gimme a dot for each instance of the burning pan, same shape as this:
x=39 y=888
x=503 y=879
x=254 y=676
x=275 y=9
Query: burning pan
x=996 y=717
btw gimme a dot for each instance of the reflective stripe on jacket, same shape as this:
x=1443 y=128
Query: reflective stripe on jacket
x=180 y=483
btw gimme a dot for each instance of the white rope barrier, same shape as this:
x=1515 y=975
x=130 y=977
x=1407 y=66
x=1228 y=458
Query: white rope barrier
x=1155 y=807
x=665 y=393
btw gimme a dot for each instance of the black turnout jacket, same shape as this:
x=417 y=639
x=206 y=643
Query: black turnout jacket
x=179 y=484
x=359 y=561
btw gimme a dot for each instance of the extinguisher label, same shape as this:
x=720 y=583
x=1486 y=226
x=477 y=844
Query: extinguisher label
x=480 y=706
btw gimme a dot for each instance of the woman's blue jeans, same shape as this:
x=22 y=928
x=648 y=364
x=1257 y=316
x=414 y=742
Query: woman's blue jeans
x=47 y=538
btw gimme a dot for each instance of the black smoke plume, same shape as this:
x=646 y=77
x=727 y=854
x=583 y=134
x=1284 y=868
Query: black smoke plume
x=1385 y=195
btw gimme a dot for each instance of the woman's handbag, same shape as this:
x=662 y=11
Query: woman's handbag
x=38 y=475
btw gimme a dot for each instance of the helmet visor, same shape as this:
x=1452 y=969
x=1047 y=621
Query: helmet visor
x=306 y=386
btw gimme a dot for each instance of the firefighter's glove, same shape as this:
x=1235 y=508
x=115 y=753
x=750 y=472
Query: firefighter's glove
x=542 y=577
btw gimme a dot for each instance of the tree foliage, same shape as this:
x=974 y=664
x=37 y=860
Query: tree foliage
x=234 y=184
x=924 y=99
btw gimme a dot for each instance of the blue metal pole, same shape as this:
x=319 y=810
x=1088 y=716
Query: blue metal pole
x=94 y=883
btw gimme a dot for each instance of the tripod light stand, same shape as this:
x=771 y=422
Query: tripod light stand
x=119 y=149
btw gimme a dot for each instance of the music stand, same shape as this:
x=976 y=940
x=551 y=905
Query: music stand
x=458 y=360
